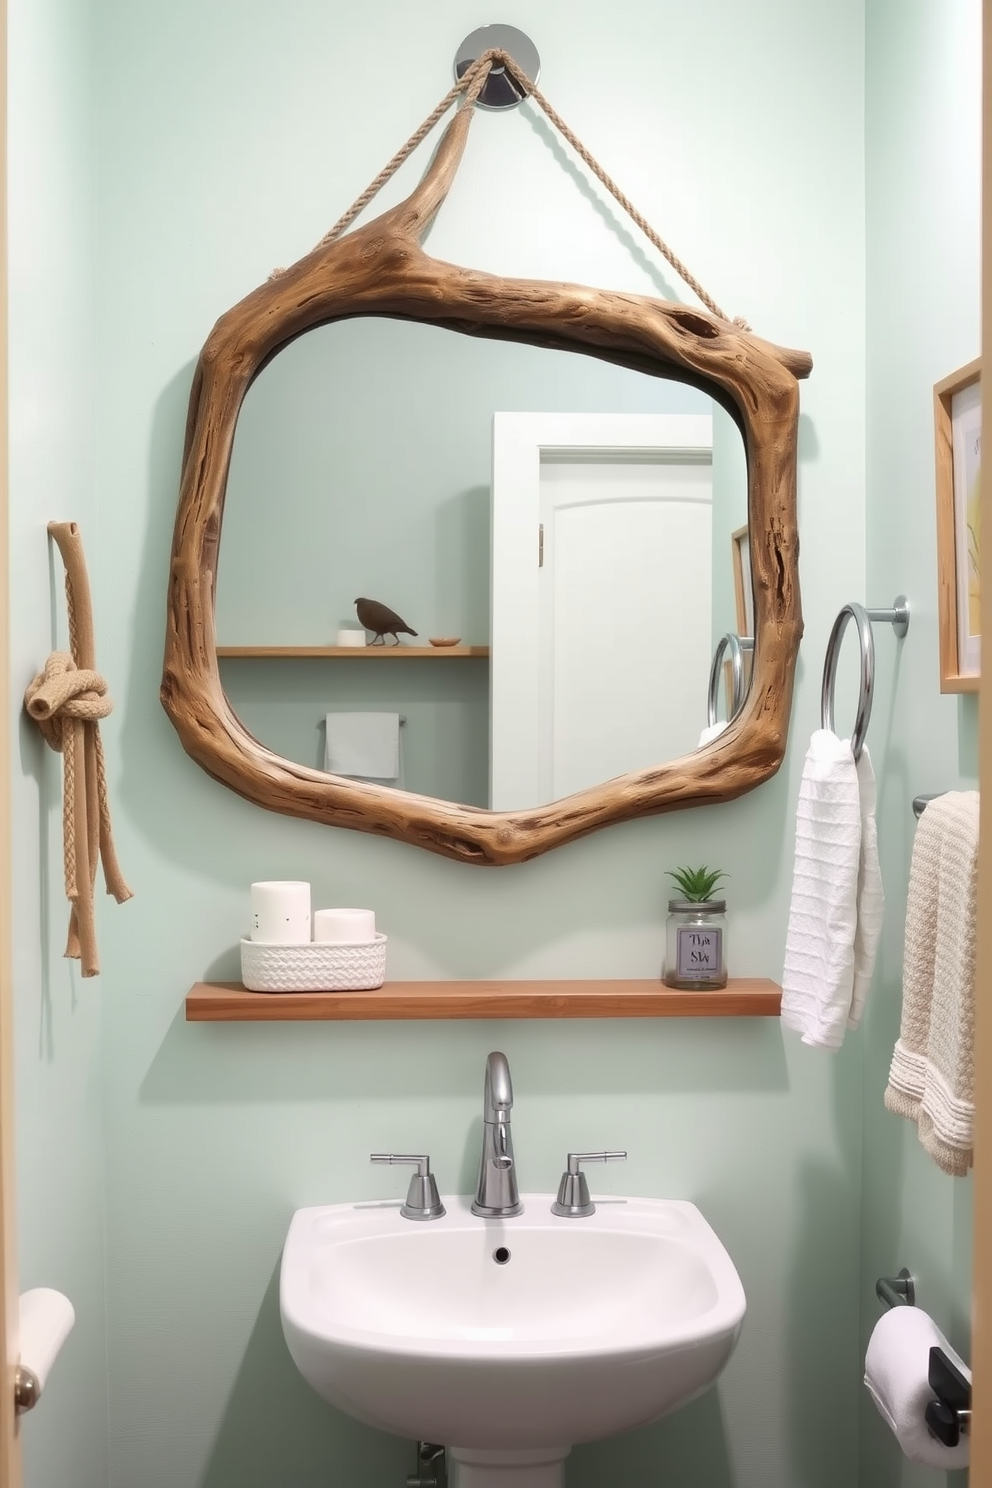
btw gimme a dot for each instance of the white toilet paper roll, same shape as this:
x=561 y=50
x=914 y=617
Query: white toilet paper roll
x=45 y=1322
x=280 y=911
x=896 y=1366
x=345 y=926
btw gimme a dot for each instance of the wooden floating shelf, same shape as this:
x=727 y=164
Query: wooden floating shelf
x=354 y=652
x=230 y=1002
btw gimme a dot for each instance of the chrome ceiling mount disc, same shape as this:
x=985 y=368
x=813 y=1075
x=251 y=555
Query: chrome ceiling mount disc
x=499 y=90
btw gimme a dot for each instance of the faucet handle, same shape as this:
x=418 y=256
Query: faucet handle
x=422 y=1200
x=573 y=1201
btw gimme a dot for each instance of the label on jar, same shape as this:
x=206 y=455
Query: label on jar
x=699 y=953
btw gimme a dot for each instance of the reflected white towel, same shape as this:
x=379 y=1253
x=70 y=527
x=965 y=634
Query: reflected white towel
x=711 y=732
x=896 y=1367
x=835 y=913
x=365 y=746
x=932 y=1077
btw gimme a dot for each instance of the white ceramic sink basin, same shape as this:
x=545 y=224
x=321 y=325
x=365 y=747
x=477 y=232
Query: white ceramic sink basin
x=502 y=1338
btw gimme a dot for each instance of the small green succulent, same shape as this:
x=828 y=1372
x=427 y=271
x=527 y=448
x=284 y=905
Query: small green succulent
x=697 y=884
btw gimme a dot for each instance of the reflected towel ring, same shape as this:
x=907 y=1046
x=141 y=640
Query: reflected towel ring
x=898 y=618
x=736 y=645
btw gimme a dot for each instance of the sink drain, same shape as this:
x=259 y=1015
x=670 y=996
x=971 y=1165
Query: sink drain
x=501 y=1255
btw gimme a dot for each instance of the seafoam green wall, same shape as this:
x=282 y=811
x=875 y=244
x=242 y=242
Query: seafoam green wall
x=57 y=1014
x=230 y=135
x=923 y=196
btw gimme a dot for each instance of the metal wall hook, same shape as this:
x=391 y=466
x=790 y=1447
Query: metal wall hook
x=499 y=91
x=898 y=617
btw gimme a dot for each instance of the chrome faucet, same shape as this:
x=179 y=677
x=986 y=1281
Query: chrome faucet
x=497 y=1195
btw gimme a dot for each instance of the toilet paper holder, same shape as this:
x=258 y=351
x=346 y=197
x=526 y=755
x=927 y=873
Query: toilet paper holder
x=896 y=1291
x=949 y=1415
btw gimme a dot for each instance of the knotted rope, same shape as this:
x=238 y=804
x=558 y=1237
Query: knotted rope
x=67 y=701
x=471 y=84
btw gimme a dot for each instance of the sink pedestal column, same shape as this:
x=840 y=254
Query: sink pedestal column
x=532 y=1467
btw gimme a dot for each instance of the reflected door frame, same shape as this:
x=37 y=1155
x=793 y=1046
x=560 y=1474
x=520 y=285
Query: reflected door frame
x=520 y=442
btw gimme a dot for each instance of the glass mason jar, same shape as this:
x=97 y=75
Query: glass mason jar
x=695 y=956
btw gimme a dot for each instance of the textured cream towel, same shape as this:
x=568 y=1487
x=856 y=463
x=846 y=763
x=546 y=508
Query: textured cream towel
x=835 y=914
x=931 y=1080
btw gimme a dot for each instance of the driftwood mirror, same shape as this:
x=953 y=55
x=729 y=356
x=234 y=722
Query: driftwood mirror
x=382 y=271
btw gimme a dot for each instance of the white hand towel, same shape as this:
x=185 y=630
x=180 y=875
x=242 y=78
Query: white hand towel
x=365 y=746
x=818 y=979
x=932 y=1076
x=896 y=1367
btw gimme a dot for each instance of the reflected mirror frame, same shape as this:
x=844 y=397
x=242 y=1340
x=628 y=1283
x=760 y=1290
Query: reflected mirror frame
x=381 y=269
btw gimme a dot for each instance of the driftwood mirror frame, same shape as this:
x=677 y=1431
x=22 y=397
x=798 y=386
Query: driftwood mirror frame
x=381 y=269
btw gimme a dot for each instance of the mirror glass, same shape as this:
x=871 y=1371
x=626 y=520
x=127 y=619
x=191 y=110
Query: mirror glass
x=573 y=524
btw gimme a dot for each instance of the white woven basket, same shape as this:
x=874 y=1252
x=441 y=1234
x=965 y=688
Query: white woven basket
x=317 y=966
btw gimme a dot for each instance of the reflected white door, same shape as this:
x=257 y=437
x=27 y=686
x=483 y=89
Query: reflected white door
x=594 y=669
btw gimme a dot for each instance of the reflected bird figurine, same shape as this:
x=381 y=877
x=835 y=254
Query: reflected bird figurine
x=382 y=620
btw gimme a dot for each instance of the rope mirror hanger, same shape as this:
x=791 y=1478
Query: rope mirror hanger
x=469 y=87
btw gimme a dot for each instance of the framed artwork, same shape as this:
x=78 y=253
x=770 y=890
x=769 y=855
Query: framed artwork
x=743 y=590
x=958 y=451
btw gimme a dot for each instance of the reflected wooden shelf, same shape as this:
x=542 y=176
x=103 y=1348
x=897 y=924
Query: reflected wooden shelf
x=354 y=652
x=230 y=1002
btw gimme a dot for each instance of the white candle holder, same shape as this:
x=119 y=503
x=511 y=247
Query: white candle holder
x=344 y=926
x=280 y=911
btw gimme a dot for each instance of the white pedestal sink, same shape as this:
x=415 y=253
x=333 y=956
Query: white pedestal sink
x=509 y=1340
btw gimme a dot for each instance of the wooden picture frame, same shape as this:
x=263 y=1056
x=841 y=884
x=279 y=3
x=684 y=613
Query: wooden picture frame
x=382 y=269
x=957 y=449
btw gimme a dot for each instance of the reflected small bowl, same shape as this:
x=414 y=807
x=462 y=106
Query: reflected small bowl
x=444 y=640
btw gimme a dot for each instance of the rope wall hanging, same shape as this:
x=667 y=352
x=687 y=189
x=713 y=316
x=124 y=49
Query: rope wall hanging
x=67 y=701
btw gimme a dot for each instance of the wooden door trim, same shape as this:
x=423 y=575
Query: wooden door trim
x=981 y=1345
x=10 y=1457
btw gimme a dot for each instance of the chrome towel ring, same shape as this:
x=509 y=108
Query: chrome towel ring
x=898 y=618
x=736 y=645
